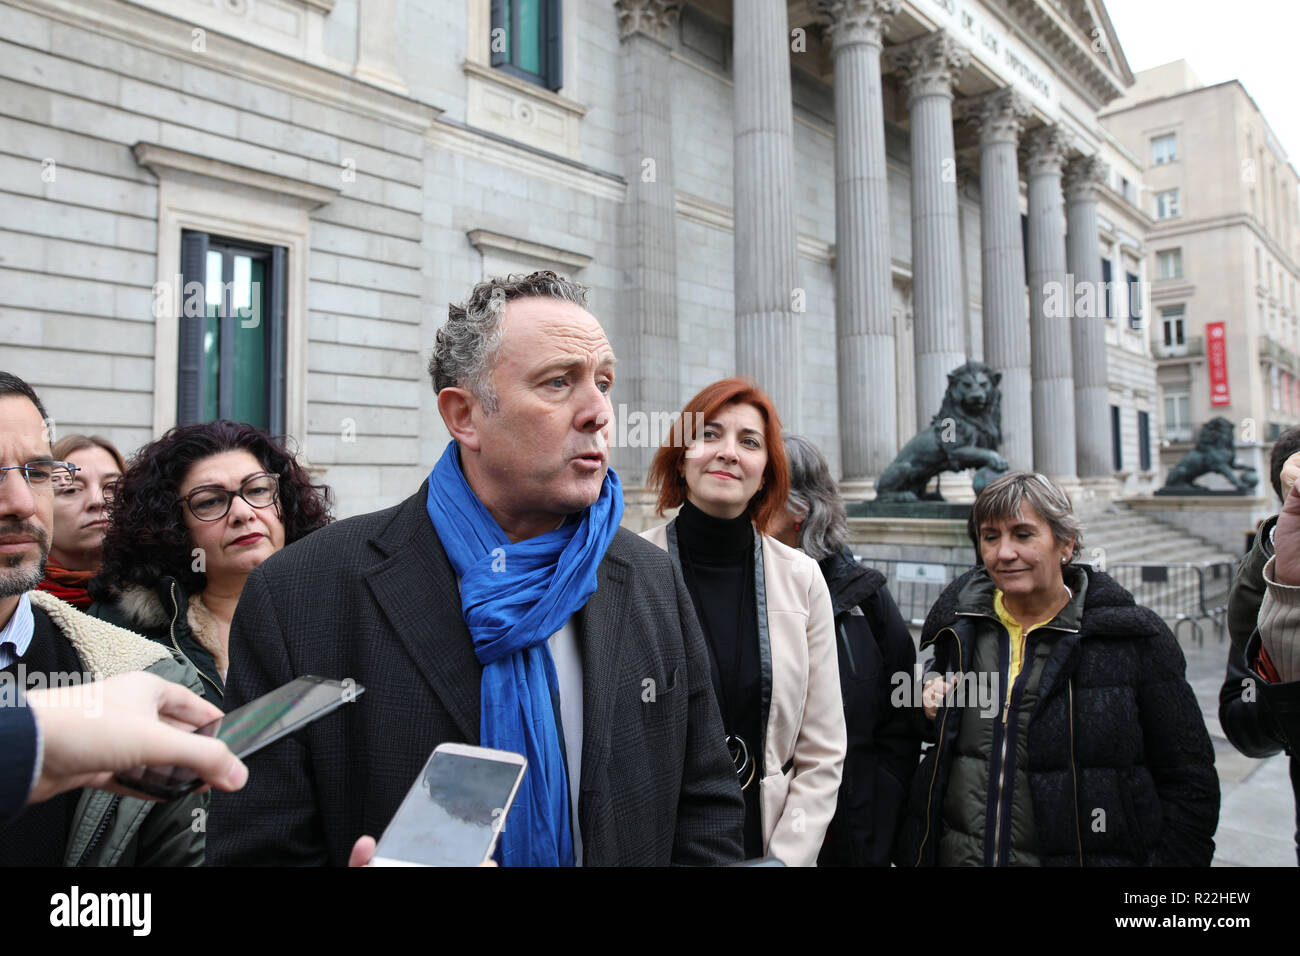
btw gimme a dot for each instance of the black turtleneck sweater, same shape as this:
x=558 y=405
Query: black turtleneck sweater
x=717 y=558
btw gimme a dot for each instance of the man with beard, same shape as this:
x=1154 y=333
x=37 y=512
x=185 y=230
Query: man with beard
x=500 y=605
x=46 y=643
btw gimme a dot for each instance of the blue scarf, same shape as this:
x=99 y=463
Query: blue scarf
x=514 y=597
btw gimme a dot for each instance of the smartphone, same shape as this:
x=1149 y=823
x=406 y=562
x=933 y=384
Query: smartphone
x=455 y=810
x=250 y=728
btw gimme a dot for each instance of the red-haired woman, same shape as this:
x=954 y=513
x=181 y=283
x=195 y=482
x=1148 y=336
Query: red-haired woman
x=765 y=613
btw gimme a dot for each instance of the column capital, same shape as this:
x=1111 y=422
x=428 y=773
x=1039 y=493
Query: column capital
x=999 y=116
x=1046 y=148
x=652 y=18
x=1082 y=176
x=856 y=21
x=929 y=65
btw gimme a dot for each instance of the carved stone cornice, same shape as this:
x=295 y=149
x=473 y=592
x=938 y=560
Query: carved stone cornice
x=1082 y=176
x=999 y=116
x=929 y=64
x=856 y=21
x=652 y=18
x=1045 y=150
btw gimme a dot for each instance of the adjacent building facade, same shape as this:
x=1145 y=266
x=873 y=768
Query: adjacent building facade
x=260 y=209
x=1223 y=257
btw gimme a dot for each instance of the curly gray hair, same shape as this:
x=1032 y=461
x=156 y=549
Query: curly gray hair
x=825 y=529
x=1002 y=499
x=465 y=351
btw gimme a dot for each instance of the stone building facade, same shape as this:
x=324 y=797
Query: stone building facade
x=267 y=204
x=1223 y=247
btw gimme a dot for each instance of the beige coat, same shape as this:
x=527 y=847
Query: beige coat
x=805 y=725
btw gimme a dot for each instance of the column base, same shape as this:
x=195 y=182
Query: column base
x=1096 y=494
x=854 y=490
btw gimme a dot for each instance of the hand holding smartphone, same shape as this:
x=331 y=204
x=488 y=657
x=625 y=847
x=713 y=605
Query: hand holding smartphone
x=248 y=729
x=455 y=810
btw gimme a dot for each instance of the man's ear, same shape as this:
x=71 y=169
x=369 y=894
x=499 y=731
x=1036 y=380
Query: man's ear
x=456 y=406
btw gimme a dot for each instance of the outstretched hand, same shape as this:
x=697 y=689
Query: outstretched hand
x=92 y=731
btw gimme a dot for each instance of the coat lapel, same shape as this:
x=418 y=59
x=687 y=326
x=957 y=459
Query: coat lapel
x=601 y=625
x=416 y=589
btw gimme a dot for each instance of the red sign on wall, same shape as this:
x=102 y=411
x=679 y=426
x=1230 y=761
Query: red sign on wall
x=1216 y=347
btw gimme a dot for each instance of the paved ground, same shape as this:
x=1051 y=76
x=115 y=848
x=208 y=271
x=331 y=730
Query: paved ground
x=1257 y=817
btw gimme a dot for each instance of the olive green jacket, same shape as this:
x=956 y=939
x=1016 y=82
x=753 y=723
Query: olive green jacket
x=112 y=830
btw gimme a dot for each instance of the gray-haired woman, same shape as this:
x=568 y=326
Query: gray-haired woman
x=1067 y=734
x=874 y=646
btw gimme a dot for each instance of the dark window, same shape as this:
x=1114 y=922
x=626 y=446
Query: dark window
x=1134 y=300
x=1116 y=439
x=231 y=332
x=1144 y=441
x=1024 y=241
x=526 y=40
x=1107 y=301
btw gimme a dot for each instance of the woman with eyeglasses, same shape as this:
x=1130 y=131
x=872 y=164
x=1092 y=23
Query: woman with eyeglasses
x=765 y=612
x=80 y=516
x=194 y=514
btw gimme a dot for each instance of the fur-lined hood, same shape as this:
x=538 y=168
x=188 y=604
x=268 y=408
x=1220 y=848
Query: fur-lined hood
x=142 y=607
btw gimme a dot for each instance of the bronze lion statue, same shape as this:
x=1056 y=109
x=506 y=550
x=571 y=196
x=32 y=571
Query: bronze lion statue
x=1214 y=452
x=965 y=434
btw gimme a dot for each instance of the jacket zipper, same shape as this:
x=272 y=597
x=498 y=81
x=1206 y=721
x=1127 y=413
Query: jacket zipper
x=1074 y=775
x=176 y=610
x=1002 y=764
x=938 y=753
x=1002 y=777
x=99 y=830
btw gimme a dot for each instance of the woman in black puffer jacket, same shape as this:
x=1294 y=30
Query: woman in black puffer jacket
x=876 y=655
x=1079 y=743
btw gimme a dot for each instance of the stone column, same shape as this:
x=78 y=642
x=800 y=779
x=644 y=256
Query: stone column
x=1049 y=331
x=649 y=373
x=929 y=67
x=767 y=331
x=1000 y=116
x=864 y=323
x=1088 y=330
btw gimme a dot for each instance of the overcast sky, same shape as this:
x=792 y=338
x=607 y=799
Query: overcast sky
x=1254 y=41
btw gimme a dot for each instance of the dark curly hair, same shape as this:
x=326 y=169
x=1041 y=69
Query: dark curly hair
x=147 y=537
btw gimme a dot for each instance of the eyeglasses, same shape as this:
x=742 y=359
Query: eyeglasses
x=213 y=504
x=42 y=474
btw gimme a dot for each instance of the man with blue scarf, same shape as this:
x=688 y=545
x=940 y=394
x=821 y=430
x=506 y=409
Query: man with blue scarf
x=500 y=605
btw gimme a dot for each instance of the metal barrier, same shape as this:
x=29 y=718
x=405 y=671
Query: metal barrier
x=915 y=585
x=1183 y=594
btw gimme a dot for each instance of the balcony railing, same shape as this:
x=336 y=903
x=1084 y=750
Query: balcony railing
x=1279 y=353
x=1193 y=345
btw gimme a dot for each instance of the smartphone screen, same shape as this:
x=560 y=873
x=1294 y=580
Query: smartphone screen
x=251 y=727
x=454 y=810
